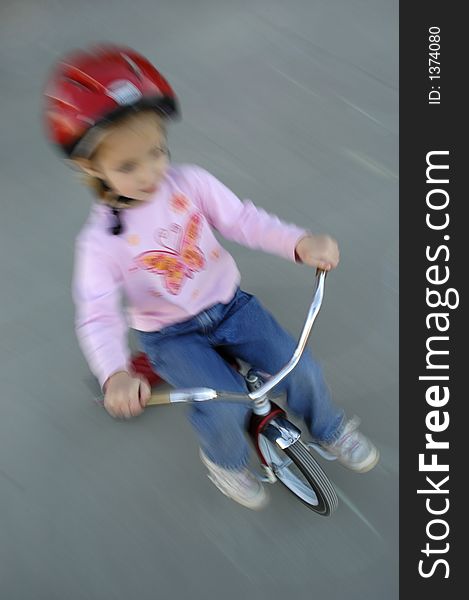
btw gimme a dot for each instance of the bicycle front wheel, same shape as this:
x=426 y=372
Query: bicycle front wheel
x=301 y=474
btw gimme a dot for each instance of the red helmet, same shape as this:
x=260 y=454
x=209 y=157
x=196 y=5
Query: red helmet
x=92 y=88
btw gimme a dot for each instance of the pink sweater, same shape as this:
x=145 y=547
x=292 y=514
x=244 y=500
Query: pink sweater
x=167 y=261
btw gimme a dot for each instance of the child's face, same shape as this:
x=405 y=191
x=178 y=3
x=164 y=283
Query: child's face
x=133 y=157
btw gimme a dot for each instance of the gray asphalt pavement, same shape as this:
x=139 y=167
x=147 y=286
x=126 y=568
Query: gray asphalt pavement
x=295 y=106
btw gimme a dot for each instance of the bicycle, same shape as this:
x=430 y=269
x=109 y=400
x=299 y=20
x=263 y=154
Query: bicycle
x=283 y=455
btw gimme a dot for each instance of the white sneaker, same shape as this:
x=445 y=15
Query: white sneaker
x=239 y=485
x=353 y=449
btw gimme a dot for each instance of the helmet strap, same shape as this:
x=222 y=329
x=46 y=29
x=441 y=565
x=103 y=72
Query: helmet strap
x=117 y=227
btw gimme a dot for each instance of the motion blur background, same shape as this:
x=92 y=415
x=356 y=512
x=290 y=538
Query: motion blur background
x=294 y=105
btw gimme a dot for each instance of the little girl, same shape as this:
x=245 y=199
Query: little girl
x=149 y=235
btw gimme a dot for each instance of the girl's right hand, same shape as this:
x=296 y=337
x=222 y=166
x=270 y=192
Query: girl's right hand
x=320 y=251
x=126 y=396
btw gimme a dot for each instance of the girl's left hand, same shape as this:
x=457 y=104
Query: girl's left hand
x=320 y=251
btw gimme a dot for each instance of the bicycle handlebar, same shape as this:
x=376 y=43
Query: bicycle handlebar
x=310 y=318
x=180 y=395
x=194 y=395
x=202 y=393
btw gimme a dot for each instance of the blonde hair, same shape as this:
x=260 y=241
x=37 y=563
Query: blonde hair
x=95 y=184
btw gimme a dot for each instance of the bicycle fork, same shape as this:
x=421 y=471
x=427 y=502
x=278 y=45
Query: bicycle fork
x=269 y=419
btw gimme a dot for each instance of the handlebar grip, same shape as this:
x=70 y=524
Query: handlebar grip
x=159 y=398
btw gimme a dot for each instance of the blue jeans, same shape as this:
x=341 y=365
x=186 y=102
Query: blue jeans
x=185 y=355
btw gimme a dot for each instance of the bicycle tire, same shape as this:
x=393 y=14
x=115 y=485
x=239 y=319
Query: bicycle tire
x=323 y=501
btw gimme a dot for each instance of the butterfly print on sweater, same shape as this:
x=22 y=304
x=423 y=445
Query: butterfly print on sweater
x=176 y=265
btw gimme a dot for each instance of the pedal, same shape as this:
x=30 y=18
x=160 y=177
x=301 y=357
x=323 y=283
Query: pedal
x=268 y=476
